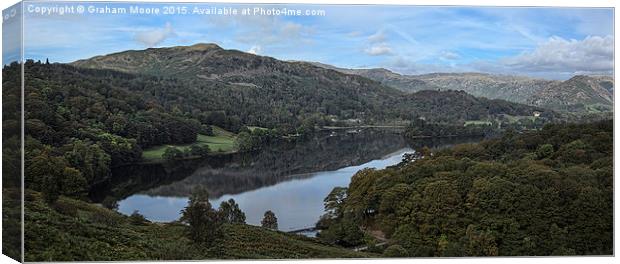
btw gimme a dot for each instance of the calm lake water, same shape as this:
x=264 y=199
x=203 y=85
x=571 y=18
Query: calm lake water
x=291 y=179
x=297 y=203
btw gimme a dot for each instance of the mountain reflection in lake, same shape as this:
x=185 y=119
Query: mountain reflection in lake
x=291 y=179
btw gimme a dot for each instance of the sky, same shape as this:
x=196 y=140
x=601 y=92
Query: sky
x=552 y=43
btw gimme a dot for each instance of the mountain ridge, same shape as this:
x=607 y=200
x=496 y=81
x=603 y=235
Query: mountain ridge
x=513 y=88
x=290 y=90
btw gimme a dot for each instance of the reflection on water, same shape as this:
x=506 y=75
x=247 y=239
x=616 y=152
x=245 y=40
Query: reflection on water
x=297 y=203
x=291 y=179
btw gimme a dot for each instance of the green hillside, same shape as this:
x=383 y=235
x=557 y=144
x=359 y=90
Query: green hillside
x=70 y=230
x=540 y=193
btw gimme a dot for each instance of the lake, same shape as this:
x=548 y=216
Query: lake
x=290 y=178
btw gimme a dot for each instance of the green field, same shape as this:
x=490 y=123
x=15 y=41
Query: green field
x=221 y=141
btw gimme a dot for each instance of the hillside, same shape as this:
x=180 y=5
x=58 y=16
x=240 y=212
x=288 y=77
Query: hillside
x=575 y=94
x=510 y=88
x=590 y=93
x=287 y=90
x=457 y=106
x=258 y=90
x=70 y=230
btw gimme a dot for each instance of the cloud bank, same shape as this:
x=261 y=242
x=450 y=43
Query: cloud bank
x=594 y=54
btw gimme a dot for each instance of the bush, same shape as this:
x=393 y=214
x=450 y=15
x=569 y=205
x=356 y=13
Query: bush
x=395 y=251
x=137 y=219
x=65 y=208
x=544 y=151
x=106 y=217
x=172 y=153
x=199 y=150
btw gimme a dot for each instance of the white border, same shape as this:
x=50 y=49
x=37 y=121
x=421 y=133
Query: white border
x=554 y=3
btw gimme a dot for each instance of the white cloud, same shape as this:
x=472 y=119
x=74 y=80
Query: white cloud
x=449 y=55
x=593 y=54
x=256 y=49
x=379 y=49
x=377 y=37
x=154 y=37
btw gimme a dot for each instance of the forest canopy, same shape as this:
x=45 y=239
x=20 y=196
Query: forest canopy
x=547 y=192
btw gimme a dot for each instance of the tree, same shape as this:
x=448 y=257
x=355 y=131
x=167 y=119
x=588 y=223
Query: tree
x=208 y=130
x=231 y=213
x=110 y=203
x=72 y=182
x=342 y=232
x=172 y=153
x=480 y=242
x=544 y=151
x=50 y=189
x=204 y=222
x=245 y=141
x=88 y=158
x=270 y=221
x=333 y=202
x=121 y=150
x=137 y=219
x=199 y=150
x=53 y=176
x=395 y=251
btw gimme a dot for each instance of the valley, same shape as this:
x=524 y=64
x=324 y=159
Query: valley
x=131 y=141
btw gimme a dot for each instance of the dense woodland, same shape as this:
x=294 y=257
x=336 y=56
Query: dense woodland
x=422 y=129
x=547 y=192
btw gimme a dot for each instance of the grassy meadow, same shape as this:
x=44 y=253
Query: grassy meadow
x=221 y=141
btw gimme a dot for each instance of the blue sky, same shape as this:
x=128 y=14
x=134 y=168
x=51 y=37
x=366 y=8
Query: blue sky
x=540 y=42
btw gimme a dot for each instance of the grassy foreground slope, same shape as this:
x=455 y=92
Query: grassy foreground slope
x=75 y=230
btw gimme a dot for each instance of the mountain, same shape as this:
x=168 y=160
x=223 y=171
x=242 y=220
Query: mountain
x=267 y=92
x=511 y=88
x=579 y=92
x=257 y=90
x=590 y=93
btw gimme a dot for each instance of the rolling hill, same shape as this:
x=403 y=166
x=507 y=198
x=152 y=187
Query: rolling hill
x=266 y=92
x=580 y=93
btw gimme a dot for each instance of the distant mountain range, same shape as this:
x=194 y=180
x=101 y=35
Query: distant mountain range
x=580 y=93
